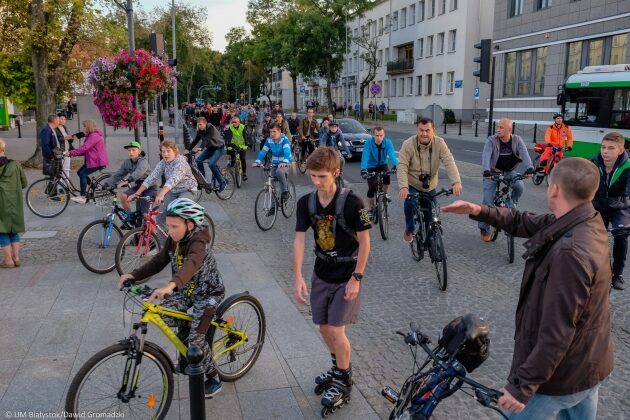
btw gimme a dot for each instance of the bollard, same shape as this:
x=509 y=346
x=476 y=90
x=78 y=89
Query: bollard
x=513 y=128
x=460 y=126
x=17 y=122
x=444 y=126
x=196 y=389
x=476 y=127
x=144 y=126
x=535 y=129
x=161 y=131
x=494 y=126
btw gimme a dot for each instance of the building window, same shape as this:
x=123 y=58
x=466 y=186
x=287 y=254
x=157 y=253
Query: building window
x=401 y=82
x=452 y=38
x=420 y=47
x=429 y=46
x=440 y=43
x=355 y=33
x=543 y=4
x=388 y=24
x=412 y=14
x=419 y=85
x=393 y=90
x=395 y=21
x=453 y=5
x=409 y=86
x=403 y=17
x=510 y=74
x=574 y=57
x=539 y=77
x=380 y=26
x=594 y=52
x=438 y=83
x=450 y=82
x=442 y=7
x=387 y=54
x=619 y=49
x=379 y=57
x=431 y=8
x=516 y=7
x=421 y=11
x=429 y=84
x=524 y=73
x=386 y=88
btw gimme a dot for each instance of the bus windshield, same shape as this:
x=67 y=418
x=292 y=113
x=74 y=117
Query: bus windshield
x=583 y=106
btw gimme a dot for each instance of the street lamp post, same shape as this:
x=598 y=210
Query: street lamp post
x=175 y=102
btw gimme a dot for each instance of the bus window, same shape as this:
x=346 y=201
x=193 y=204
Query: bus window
x=621 y=109
x=583 y=107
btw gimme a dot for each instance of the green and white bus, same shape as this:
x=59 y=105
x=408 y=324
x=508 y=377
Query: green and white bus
x=596 y=101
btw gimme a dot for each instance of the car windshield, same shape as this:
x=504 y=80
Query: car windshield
x=351 y=126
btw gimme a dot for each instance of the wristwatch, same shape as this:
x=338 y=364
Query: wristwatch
x=358 y=276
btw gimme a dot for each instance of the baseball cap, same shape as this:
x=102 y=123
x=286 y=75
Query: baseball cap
x=133 y=144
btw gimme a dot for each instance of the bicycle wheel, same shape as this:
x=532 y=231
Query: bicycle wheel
x=288 y=207
x=383 y=217
x=302 y=164
x=548 y=175
x=265 y=209
x=135 y=249
x=98 y=384
x=197 y=195
x=100 y=195
x=47 y=197
x=537 y=179
x=97 y=245
x=245 y=315
x=417 y=250
x=210 y=224
x=228 y=192
x=238 y=170
x=439 y=259
x=510 y=247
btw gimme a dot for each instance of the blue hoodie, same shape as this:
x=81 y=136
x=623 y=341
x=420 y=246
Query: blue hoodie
x=371 y=157
x=280 y=151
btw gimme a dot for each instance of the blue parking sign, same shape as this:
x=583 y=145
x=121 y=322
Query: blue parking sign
x=476 y=94
x=459 y=84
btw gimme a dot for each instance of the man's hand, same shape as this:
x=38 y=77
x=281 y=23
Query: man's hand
x=122 y=279
x=529 y=172
x=508 y=402
x=159 y=198
x=352 y=289
x=255 y=164
x=300 y=290
x=131 y=197
x=457 y=189
x=488 y=174
x=364 y=174
x=404 y=193
x=163 y=292
x=196 y=149
x=462 y=207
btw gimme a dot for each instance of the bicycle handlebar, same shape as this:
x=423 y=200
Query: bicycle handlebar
x=500 y=176
x=373 y=174
x=440 y=193
x=619 y=231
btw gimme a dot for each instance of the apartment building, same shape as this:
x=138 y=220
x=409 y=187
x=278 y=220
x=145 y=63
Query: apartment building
x=537 y=44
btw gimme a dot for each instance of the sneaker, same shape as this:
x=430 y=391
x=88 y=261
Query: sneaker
x=389 y=199
x=244 y=177
x=285 y=196
x=222 y=186
x=408 y=237
x=80 y=199
x=212 y=387
x=485 y=235
x=617 y=282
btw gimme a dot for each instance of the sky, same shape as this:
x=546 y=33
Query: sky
x=222 y=15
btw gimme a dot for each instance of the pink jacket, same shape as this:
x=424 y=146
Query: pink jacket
x=94 y=150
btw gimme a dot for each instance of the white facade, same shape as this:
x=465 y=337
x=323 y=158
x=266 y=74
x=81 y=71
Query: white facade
x=429 y=49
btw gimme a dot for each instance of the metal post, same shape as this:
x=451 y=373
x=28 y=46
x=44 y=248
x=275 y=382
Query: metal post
x=513 y=128
x=494 y=127
x=17 y=122
x=196 y=390
x=132 y=47
x=535 y=130
x=175 y=102
x=460 y=126
x=476 y=128
x=444 y=125
x=490 y=114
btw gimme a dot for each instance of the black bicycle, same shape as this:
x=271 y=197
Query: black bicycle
x=269 y=200
x=462 y=348
x=503 y=198
x=380 y=213
x=213 y=186
x=431 y=239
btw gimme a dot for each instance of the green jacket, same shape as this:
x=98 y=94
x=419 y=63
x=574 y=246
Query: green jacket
x=12 y=181
x=235 y=136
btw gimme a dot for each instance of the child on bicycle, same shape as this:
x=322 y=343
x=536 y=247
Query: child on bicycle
x=235 y=137
x=133 y=171
x=196 y=282
x=378 y=150
x=611 y=199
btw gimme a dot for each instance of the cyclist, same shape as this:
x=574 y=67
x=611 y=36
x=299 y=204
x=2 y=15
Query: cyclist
x=196 y=281
x=276 y=109
x=264 y=129
x=179 y=179
x=323 y=129
x=234 y=136
x=332 y=138
x=307 y=132
x=503 y=152
x=340 y=226
x=95 y=153
x=280 y=147
x=611 y=199
x=284 y=124
x=377 y=150
x=250 y=125
x=133 y=171
x=213 y=147
x=294 y=123
x=557 y=134
x=418 y=166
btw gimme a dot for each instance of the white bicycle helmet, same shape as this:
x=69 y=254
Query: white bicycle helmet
x=187 y=209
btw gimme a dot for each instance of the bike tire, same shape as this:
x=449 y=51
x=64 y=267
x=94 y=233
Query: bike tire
x=537 y=178
x=383 y=217
x=102 y=244
x=439 y=259
x=548 y=174
x=238 y=170
x=265 y=201
x=510 y=247
x=288 y=207
x=226 y=364
x=417 y=250
x=90 y=368
x=38 y=197
x=302 y=164
x=210 y=223
x=228 y=192
x=130 y=252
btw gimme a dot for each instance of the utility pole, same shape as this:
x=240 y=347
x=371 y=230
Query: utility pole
x=132 y=47
x=175 y=102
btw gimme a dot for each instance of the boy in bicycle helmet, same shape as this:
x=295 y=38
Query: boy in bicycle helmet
x=196 y=281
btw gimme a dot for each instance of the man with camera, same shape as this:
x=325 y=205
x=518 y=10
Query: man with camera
x=418 y=165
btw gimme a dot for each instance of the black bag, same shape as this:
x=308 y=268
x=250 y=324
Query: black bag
x=54 y=166
x=466 y=337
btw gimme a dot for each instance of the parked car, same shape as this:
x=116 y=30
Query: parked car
x=355 y=134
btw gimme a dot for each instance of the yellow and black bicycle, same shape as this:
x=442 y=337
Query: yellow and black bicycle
x=135 y=376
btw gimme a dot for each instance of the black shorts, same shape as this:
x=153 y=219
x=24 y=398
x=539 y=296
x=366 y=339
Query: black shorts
x=329 y=306
x=372 y=181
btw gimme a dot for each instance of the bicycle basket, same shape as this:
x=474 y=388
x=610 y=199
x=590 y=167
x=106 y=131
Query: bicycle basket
x=53 y=167
x=539 y=147
x=466 y=337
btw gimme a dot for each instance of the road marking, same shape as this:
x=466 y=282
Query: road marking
x=472 y=151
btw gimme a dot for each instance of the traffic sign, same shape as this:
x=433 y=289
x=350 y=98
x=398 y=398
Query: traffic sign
x=302 y=89
x=459 y=84
x=375 y=89
x=476 y=94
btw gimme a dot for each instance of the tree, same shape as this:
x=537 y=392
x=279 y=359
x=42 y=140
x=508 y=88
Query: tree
x=369 y=46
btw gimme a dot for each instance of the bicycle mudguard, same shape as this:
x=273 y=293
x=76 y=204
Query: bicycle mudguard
x=155 y=348
x=228 y=301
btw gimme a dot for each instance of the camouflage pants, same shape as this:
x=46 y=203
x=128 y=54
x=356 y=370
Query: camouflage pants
x=204 y=308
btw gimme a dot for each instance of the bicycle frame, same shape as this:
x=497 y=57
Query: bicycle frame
x=503 y=189
x=435 y=222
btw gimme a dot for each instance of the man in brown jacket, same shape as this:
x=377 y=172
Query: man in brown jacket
x=563 y=347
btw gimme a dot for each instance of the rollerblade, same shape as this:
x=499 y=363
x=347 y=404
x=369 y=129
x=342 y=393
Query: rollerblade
x=338 y=392
x=324 y=379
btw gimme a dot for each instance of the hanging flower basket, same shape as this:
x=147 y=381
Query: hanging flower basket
x=112 y=81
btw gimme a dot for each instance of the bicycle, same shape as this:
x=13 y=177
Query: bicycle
x=53 y=192
x=267 y=200
x=557 y=156
x=136 y=375
x=250 y=136
x=424 y=389
x=210 y=187
x=100 y=237
x=141 y=244
x=237 y=166
x=431 y=239
x=380 y=213
x=503 y=198
x=302 y=162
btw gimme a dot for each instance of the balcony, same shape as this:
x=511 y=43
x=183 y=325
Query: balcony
x=399 y=66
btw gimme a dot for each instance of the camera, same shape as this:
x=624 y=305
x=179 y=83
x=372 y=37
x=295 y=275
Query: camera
x=425 y=178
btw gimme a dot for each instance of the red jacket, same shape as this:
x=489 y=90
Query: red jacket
x=558 y=136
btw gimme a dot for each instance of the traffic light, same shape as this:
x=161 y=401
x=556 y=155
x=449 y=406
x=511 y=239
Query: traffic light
x=484 y=60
